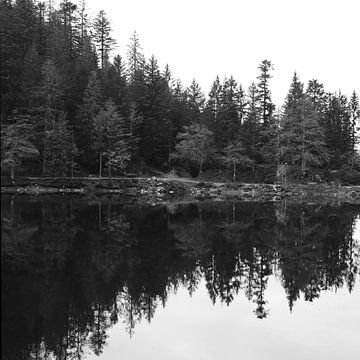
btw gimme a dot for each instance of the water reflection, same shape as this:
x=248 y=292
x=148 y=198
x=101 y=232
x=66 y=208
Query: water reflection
x=72 y=269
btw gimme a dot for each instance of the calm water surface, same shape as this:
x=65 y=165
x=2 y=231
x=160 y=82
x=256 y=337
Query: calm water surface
x=90 y=279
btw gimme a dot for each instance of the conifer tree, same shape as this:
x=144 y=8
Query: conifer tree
x=235 y=155
x=47 y=106
x=316 y=94
x=17 y=144
x=213 y=103
x=59 y=148
x=196 y=102
x=136 y=73
x=115 y=84
x=229 y=122
x=338 y=129
x=354 y=109
x=155 y=127
x=302 y=143
x=136 y=59
x=251 y=128
x=264 y=95
x=111 y=140
x=88 y=110
x=102 y=37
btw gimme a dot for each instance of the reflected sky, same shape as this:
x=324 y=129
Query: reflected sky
x=191 y=327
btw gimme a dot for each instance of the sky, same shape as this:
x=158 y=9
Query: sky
x=204 y=38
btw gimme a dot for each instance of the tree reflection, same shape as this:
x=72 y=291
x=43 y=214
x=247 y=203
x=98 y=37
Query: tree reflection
x=71 y=269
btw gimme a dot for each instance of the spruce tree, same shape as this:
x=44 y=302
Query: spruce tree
x=111 y=140
x=302 y=143
x=354 y=109
x=264 y=95
x=196 y=102
x=213 y=103
x=155 y=127
x=88 y=110
x=136 y=59
x=229 y=123
x=102 y=37
x=251 y=129
x=17 y=144
x=59 y=148
x=235 y=154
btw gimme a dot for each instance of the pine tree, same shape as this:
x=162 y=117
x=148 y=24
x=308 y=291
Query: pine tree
x=59 y=148
x=155 y=127
x=316 y=94
x=17 y=144
x=302 y=143
x=115 y=84
x=264 y=95
x=213 y=103
x=251 y=128
x=69 y=34
x=136 y=59
x=235 y=154
x=88 y=110
x=111 y=140
x=229 y=123
x=46 y=106
x=354 y=108
x=338 y=129
x=102 y=37
x=196 y=102
x=17 y=33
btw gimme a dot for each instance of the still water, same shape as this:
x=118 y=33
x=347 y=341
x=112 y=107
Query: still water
x=91 y=279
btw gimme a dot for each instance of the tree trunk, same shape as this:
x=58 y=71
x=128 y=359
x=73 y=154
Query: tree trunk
x=303 y=149
x=169 y=152
x=100 y=164
x=234 y=172
x=109 y=165
x=12 y=173
x=99 y=215
x=72 y=155
x=200 y=167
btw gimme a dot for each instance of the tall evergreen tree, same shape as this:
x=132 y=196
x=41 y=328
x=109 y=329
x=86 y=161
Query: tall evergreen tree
x=263 y=90
x=338 y=129
x=251 y=129
x=196 y=102
x=354 y=108
x=302 y=143
x=111 y=140
x=229 y=122
x=60 y=151
x=154 y=128
x=235 y=155
x=17 y=144
x=102 y=37
x=136 y=59
x=213 y=103
x=87 y=112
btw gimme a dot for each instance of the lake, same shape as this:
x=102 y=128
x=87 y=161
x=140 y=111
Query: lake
x=103 y=279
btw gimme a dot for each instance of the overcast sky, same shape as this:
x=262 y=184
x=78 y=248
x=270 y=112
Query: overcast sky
x=202 y=38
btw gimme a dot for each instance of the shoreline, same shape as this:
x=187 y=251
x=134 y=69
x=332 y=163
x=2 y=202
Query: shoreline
x=156 y=189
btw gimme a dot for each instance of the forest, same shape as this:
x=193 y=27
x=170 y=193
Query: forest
x=71 y=107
